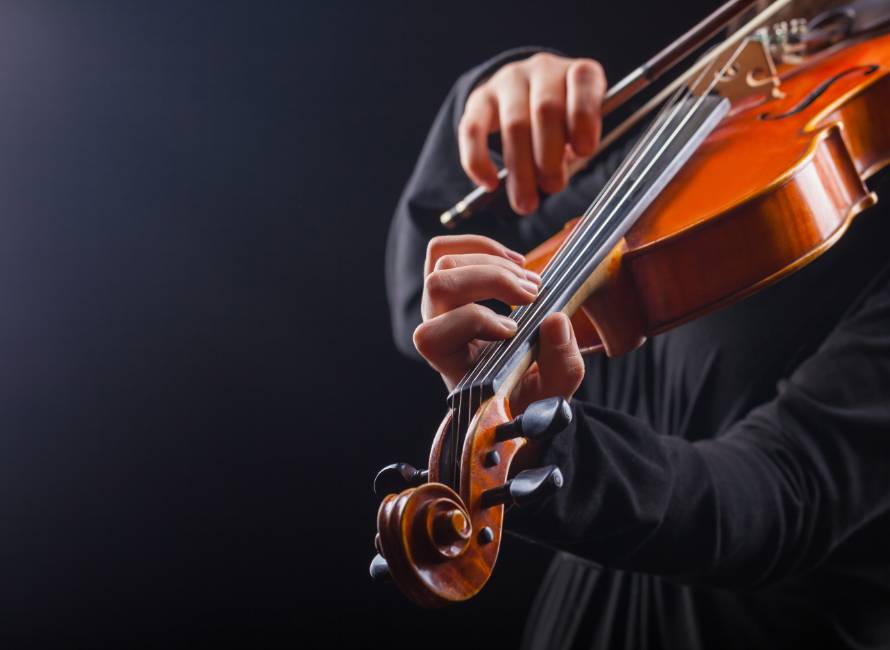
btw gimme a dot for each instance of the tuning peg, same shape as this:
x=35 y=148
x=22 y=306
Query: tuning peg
x=541 y=420
x=398 y=477
x=526 y=487
x=379 y=569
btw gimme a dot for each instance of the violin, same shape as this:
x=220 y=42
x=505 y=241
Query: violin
x=755 y=165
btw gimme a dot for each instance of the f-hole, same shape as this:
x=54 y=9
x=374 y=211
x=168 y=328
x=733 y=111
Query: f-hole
x=818 y=91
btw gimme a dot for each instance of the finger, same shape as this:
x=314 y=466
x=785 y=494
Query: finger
x=452 y=288
x=515 y=122
x=445 y=341
x=572 y=161
x=548 y=116
x=560 y=363
x=585 y=86
x=479 y=119
x=457 y=244
x=558 y=370
x=481 y=259
x=526 y=391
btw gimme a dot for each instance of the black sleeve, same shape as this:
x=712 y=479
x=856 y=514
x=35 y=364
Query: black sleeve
x=438 y=182
x=767 y=500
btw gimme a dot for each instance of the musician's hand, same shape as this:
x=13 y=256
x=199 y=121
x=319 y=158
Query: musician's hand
x=463 y=269
x=547 y=109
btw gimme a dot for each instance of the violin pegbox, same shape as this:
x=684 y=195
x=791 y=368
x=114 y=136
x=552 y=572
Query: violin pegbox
x=440 y=546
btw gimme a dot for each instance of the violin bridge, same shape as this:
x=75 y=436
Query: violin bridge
x=745 y=73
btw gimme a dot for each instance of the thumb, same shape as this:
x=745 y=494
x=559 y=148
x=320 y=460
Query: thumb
x=559 y=369
x=560 y=364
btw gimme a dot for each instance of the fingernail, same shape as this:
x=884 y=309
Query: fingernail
x=513 y=255
x=534 y=277
x=530 y=287
x=562 y=335
x=508 y=322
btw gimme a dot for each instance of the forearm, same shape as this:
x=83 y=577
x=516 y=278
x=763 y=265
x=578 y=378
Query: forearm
x=769 y=499
x=738 y=511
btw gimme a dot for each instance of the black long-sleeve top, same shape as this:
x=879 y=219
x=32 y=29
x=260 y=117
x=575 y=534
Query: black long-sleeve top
x=728 y=483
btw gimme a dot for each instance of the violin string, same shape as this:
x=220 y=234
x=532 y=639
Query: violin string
x=608 y=192
x=455 y=416
x=458 y=417
x=569 y=257
x=566 y=255
x=455 y=464
x=559 y=259
x=544 y=302
x=534 y=316
x=482 y=363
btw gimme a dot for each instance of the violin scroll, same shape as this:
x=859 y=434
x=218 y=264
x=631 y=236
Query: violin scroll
x=420 y=530
x=439 y=545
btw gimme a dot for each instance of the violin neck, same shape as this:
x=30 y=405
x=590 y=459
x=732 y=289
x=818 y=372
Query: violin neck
x=570 y=276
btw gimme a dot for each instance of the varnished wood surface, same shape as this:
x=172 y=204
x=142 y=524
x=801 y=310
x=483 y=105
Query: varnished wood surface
x=431 y=573
x=758 y=200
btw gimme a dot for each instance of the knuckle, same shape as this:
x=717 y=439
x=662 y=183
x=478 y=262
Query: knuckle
x=469 y=127
x=421 y=339
x=435 y=245
x=504 y=280
x=575 y=366
x=476 y=94
x=478 y=316
x=543 y=59
x=437 y=284
x=566 y=351
x=574 y=370
x=473 y=158
x=484 y=323
x=421 y=333
x=517 y=126
x=468 y=161
x=507 y=71
x=446 y=262
x=587 y=71
x=550 y=108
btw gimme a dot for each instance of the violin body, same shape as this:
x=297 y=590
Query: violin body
x=772 y=187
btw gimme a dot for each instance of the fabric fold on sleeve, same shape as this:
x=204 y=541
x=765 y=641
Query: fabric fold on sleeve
x=767 y=500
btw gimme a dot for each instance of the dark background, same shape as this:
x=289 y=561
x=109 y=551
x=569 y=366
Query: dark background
x=198 y=380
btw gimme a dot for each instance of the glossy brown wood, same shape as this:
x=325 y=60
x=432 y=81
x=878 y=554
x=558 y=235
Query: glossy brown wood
x=758 y=200
x=434 y=571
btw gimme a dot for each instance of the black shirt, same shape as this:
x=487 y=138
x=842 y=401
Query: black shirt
x=728 y=483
